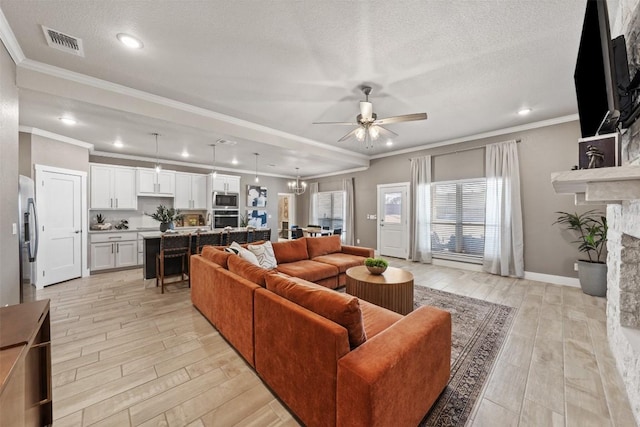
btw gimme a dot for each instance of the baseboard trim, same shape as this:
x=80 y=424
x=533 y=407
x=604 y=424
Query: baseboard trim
x=550 y=278
x=528 y=275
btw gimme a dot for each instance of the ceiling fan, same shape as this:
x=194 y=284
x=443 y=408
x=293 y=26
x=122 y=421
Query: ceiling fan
x=369 y=126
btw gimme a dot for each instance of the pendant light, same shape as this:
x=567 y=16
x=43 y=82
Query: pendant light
x=257 y=179
x=296 y=186
x=214 y=172
x=158 y=167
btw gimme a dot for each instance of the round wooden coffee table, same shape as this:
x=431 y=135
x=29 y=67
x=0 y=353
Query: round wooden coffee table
x=392 y=289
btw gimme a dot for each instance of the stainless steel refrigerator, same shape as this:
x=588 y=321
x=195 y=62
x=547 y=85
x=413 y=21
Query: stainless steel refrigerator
x=28 y=233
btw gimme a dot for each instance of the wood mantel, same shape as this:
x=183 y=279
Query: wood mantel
x=599 y=186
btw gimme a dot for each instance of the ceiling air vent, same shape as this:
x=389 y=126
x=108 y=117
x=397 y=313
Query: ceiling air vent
x=63 y=42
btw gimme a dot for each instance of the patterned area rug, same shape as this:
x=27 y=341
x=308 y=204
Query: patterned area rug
x=479 y=330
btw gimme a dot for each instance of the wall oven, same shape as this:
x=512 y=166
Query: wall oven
x=225 y=218
x=226 y=200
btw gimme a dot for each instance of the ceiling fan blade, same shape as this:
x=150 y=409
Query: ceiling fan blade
x=404 y=118
x=349 y=135
x=366 y=109
x=336 y=123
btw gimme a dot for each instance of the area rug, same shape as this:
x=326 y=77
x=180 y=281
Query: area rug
x=479 y=331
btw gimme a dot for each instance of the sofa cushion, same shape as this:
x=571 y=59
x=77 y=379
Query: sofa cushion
x=264 y=254
x=244 y=268
x=340 y=260
x=376 y=319
x=216 y=256
x=308 y=270
x=317 y=246
x=291 y=251
x=340 y=308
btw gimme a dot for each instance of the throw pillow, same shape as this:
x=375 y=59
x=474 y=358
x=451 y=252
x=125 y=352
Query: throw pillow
x=245 y=253
x=340 y=308
x=264 y=253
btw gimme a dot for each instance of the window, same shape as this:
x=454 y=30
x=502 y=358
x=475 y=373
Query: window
x=458 y=219
x=330 y=210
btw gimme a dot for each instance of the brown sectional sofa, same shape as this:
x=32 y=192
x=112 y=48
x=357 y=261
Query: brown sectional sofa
x=331 y=358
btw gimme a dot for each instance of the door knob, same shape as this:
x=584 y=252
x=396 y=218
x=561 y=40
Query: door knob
x=77 y=231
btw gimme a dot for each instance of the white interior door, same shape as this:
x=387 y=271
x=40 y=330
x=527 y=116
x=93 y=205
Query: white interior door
x=60 y=207
x=393 y=220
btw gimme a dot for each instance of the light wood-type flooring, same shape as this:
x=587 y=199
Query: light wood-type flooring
x=124 y=354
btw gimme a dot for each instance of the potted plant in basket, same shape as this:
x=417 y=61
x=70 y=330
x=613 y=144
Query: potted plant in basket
x=376 y=265
x=591 y=230
x=166 y=217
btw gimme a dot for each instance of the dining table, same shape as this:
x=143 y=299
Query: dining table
x=315 y=231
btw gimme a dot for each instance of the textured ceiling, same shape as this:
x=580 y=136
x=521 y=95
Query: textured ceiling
x=470 y=65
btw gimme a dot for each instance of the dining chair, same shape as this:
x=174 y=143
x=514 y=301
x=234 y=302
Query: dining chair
x=297 y=233
x=173 y=246
x=337 y=231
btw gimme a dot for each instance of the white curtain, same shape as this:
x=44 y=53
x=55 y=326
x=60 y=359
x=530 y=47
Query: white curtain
x=503 y=242
x=420 y=216
x=313 y=204
x=347 y=187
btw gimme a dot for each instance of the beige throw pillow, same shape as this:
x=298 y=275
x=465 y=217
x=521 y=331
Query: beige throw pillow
x=264 y=254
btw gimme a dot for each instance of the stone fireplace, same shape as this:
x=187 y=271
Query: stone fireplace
x=623 y=294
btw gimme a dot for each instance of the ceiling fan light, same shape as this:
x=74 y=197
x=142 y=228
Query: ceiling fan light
x=360 y=134
x=374 y=132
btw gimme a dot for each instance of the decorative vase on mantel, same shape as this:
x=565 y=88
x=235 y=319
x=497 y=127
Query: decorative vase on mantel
x=164 y=226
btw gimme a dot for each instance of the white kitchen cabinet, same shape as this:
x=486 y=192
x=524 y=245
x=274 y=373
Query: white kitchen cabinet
x=152 y=183
x=191 y=191
x=113 y=187
x=113 y=250
x=226 y=183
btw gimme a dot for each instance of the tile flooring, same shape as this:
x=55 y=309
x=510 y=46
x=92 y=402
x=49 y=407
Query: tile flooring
x=123 y=354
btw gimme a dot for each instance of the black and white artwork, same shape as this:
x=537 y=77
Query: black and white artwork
x=256 y=218
x=256 y=196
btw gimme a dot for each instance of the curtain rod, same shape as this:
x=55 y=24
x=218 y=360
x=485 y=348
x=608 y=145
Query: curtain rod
x=518 y=141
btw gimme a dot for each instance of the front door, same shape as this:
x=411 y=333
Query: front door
x=60 y=208
x=393 y=224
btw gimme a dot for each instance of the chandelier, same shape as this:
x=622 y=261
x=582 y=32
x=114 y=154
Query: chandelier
x=296 y=186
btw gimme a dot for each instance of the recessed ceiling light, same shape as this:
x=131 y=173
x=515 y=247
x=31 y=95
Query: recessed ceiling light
x=389 y=143
x=129 y=41
x=67 y=120
x=234 y=161
x=524 y=111
x=185 y=153
x=118 y=144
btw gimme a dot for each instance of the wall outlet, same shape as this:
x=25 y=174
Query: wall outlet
x=14 y=229
x=575 y=266
x=357 y=241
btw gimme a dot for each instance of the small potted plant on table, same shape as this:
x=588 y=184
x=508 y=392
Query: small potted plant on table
x=591 y=230
x=376 y=265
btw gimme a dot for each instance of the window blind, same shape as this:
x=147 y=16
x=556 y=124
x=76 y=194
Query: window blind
x=330 y=208
x=458 y=219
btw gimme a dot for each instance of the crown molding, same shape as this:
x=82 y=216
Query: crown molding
x=188 y=164
x=56 y=137
x=498 y=132
x=39 y=67
x=346 y=171
x=10 y=41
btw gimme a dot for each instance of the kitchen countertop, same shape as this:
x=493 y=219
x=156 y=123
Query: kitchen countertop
x=157 y=233
x=145 y=229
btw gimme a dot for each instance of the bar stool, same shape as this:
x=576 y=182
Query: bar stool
x=174 y=246
x=204 y=239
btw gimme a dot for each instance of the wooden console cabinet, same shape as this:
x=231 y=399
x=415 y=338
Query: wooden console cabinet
x=25 y=365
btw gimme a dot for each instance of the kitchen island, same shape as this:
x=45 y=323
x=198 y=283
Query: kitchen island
x=151 y=242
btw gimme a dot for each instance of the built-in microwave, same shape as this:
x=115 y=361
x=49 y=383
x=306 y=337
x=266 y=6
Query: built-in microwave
x=226 y=200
